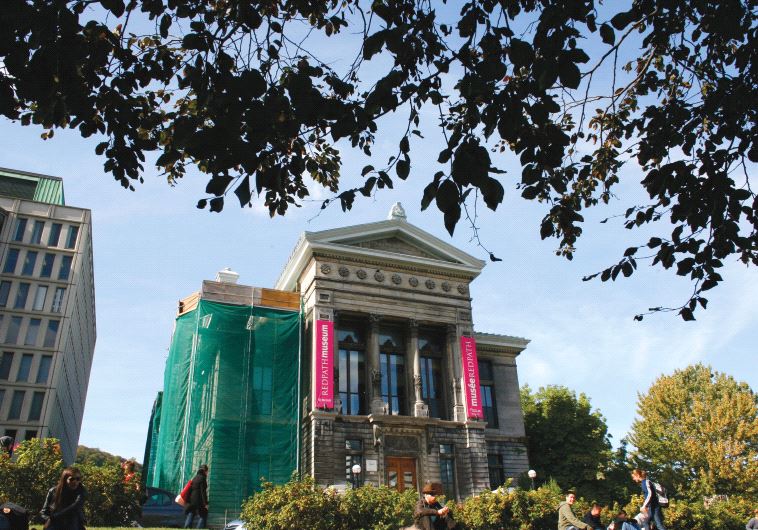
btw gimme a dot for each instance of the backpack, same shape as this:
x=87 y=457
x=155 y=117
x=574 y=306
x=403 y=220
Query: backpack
x=660 y=492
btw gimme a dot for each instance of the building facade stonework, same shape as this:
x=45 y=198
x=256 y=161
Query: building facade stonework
x=401 y=402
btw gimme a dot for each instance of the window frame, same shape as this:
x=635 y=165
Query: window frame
x=55 y=235
x=389 y=376
x=20 y=229
x=487 y=393
x=37 y=228
x=345 y=350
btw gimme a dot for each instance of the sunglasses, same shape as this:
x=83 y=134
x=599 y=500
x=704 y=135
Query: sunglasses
x=74 y=479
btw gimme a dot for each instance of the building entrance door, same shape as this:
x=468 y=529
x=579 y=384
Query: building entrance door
x=401 y=473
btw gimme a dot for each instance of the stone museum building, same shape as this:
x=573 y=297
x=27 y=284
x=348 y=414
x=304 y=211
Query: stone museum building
x=361 y=366
x=388 y=314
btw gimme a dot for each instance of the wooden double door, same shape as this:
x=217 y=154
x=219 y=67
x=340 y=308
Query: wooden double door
x=401 y=473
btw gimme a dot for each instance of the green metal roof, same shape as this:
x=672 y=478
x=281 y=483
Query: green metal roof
x=31 y=186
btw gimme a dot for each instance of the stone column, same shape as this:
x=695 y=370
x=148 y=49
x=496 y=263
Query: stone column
x=376 y=405
x=419 y=407
x=454 y=365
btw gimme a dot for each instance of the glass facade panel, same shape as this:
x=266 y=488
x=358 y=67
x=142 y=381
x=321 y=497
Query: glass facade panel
x=35 y=410
x=447 y=470
x=392 y=367
x=73 y=232
x=5 y=365
x=11 y=334
x=65 y=269
x=21 y=295
x=55 y=235
x=51 y=333
x=43 y=372
x=58 y=299
x=351 y=369
x=24 y=367
x=17 y=402
x=18 y=232
x=487 y=390
x=10 y=261
x=39 y=298
x=37 y=232
x=496 y=470
x=32 y=331
x=5 y=289
x=47 y=265
x=29 y=263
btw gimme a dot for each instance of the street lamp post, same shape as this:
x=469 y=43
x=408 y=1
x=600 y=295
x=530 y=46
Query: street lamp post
x=532 y=475
x=356 y=469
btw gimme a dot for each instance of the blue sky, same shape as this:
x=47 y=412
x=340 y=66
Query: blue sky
x=153 y=247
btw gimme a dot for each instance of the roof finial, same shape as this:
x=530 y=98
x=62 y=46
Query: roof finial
x=397 y=212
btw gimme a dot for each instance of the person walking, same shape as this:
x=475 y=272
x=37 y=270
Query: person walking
x=650 y=506
x=566 y=518
x=429 y=513
x=64 y=503
x=6 y=445
x=198 y=499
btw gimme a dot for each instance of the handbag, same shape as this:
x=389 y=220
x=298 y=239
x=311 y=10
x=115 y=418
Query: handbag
x=183 y=497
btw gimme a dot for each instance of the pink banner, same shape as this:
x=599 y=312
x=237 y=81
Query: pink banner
x=323 y=365
x=471 y=378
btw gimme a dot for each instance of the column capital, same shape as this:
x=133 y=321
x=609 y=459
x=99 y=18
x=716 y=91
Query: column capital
x=374 y=319
x=413 y=325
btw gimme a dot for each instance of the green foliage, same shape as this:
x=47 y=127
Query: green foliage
x=673 y=91
x=567 y=440
x=302 y=504
x=110 y=502
x=38 y=466
x=697 y=433
x=96 y=457
x=377 y=508
x=296 y=504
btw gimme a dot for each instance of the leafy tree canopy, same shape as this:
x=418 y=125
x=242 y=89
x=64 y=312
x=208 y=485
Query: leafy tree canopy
x=96 y=457
x=573 y=89
x=567 y=440
x=697 y=432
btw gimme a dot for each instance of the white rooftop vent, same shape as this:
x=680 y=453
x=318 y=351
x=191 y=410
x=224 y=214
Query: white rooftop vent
x=227 y=276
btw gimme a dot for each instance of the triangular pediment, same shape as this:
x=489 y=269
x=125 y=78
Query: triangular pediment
x=396 y=245
x=393 y=241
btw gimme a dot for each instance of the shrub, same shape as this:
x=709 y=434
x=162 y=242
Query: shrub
x=110 y=502
x=377 y=508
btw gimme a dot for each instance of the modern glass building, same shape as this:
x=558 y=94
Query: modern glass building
x=47 y=310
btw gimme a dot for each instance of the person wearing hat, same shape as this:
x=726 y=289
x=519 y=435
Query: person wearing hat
x=430 y=514
x=6 y=445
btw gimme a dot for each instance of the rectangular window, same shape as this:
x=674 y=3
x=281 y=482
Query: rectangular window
x=497 y=471
x=65 y=269
x=29 y=435
x=351 y=371
x=58 y=299
x=24 y=367
x=5 y=365
x=487 y=390
x=16 y=403
x=21 y=294
x=10 y=261
x=55 y=235
x=37 y=232
x=43 y=372
x=73 y=232
x=32 y=331
x=51 y=333
x=447 y=469
x=39 y=298
x=392 y=367
x=29 y=263
x=5 y=289
x=47 y=265
x=11 y=334
x=2 y=397
x=353 y=456
x=35 y=410
x=18 y=233
x=432 y=391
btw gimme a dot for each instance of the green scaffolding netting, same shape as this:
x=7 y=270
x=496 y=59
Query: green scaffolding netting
x=230 y=400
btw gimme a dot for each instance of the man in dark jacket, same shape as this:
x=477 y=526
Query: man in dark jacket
x=430 y=514
x=592 y=517
x=198 y=499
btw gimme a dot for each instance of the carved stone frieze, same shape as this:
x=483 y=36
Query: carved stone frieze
x=344 y=271
x=462 y=289
x=413 y=281
x=326 y=268
x=397 y=279
x=430 y=284
x=361 y=274
x=379 y=276
x=445 y=286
